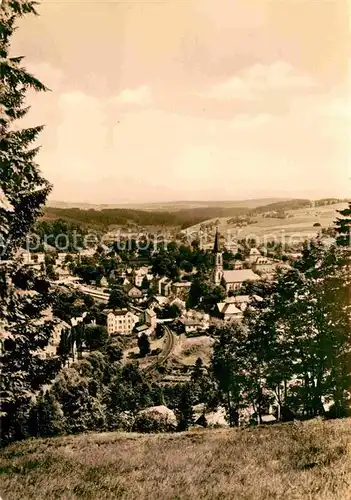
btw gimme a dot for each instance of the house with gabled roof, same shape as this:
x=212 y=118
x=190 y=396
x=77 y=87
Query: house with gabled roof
x=234 y=280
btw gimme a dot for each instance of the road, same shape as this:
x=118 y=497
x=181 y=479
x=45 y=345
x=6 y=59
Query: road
x=170 y=341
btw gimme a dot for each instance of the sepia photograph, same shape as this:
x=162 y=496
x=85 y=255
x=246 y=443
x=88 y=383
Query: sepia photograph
x=175 y=245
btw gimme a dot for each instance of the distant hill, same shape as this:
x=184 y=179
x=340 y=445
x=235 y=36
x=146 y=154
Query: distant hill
x=282 y=206
x=168 y=206
x=176 y=216
x=105 y=218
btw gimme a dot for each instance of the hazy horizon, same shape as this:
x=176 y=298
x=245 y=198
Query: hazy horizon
x=191 y=100
x=204 y=202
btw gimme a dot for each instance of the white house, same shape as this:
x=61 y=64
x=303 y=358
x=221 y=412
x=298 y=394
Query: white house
x=242 y=301
x=181 y=289
x=233 y=280
x=134 y=293
x=150 y=318
x=164 y=286
x=30 y=258
x=229 y=311
x=191 y=325
x=254 y=254
x=120 y=321
x=233 y=307
x=104 y=282
x=195 y=320
x=263 y=265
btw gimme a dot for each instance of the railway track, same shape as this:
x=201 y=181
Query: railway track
x=170 y=340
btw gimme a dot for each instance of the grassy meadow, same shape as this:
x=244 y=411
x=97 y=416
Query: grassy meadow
x=299 y=226
x=309 y=460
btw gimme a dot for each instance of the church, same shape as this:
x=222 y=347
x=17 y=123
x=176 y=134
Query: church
x=233 y=280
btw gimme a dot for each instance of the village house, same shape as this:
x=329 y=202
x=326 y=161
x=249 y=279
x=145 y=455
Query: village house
x=237 y=264
x=254 y=254
x=103 y=282
x=229 y=311
x=144 y=330
x=125 y=281
x=120 y=321
x=164 y=286
x=191 y=325
x=134 y=293
x=87 y=252
x=31 y=259
x=234 y=307
x=139 y=275
x=263 y=265
x=234 y=280
x=148 y=320
x=181 y=304
x=193 y=320
x=181 y=289
x=242 y=301
x=231 y=246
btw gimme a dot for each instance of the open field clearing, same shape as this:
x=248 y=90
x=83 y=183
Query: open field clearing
x=294 y=461
x=299 y=224
x=188 y=350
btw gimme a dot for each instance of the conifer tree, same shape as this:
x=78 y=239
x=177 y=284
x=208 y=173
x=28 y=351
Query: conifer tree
x=24 y=296
x=46 y=417
x=144 y=345
x=343 y=227
x=184 y=409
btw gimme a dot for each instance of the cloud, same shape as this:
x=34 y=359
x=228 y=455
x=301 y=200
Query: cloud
x=49 y=75
x=140 y=96
x=105 y=154
x=257 y=80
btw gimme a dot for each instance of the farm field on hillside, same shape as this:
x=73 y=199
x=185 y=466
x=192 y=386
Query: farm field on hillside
x=299 y=225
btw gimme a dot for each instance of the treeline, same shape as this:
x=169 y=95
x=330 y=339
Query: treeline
x=105 y=218
x=329 y=201
x=122 y=217
x=98 y=393
x=293 y=349
x=281 y=206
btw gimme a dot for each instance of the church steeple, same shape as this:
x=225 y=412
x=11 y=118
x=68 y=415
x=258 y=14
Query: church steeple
x=216 y=248
x=218 y=261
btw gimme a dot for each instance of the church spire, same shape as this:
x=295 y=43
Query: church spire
x=218 y=261
x=216 y=248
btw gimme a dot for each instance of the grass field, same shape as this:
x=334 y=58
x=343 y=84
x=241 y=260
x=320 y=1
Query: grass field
x=310 y=460
x=297 y=228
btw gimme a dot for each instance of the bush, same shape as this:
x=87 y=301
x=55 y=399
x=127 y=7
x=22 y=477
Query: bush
x=148 y=422
x=46 y=417
x=339 y=411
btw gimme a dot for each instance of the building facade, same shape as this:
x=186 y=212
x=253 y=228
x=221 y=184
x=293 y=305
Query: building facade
x=120 y=322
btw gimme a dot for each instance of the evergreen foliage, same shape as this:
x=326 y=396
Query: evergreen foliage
x=24 y=297
x=144 y=345
x=343 y=227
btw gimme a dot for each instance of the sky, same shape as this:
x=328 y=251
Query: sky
x=191 y=99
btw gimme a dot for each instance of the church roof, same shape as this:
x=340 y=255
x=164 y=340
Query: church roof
x=240 y=275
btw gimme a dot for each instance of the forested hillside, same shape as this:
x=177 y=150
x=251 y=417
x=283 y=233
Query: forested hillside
x=121 y=217
x=173 y=217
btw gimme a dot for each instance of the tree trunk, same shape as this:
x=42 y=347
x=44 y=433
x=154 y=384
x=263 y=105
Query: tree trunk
x=279 y=410
x=229 y=410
